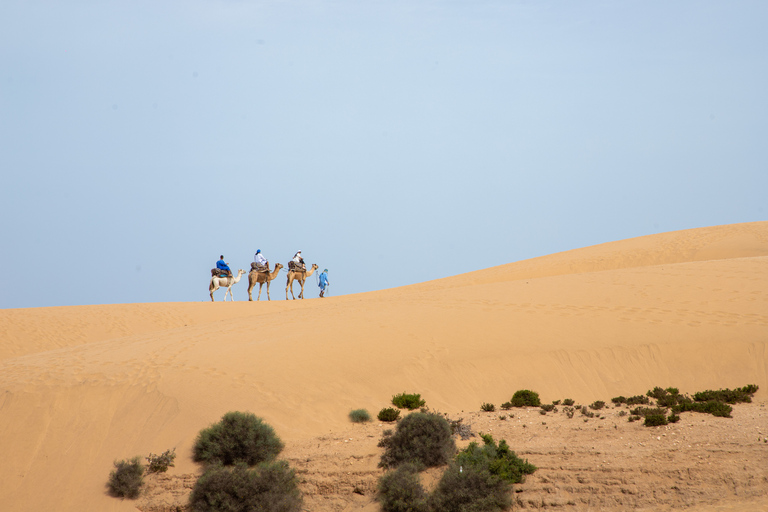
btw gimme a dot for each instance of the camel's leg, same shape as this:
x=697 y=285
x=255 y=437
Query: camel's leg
x=289 y=285
x=212 y=288
x=250 y=288
x=268 y=298
x=259 y=296
x=301 y=295
x=231 y=297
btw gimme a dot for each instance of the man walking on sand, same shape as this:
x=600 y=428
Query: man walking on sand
x=324 y=282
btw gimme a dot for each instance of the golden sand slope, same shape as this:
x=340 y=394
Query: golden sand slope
x=83 y=386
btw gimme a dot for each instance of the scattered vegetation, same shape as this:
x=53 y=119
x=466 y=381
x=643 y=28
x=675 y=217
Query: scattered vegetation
x=507 y=406
x=637 y=400
x=470 y=488
x=488 y=407
x=360 y=416
x=525 y=398
x=401 y=491
x=597 y=405
x=389 y=414
x=655 y=420
x=569 y=402
x=126 y=479
x=161 y=463
x=729 y=396
x=499 y=460
x=238 y=437
x=268 y=487
x=619 y=400
x=421 y=438
x=408 y=401
x=586 y=412
x=548 y=407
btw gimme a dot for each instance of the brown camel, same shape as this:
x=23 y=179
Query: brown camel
x=261 y=278
x=300 y=276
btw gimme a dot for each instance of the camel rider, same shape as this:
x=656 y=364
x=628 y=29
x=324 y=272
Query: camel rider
x=223 y=267
x=298 y=259
x=262 y=265
x=323 y=282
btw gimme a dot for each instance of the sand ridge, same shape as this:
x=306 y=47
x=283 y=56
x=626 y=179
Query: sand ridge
x=83 y=386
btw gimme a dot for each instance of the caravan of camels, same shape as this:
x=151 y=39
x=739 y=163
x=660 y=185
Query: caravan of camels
x=260 y=274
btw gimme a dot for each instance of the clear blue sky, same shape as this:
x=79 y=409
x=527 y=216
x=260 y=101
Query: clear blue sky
x=393 y=142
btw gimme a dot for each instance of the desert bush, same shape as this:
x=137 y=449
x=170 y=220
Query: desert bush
x=654 y=420
x=622 y=414
x=401 y=491
x=470 y=488
x=161 y=463
x=507 y=406
x=647 y=411
x=548 y=407
x=408 y=401
x=673 y=418
x=712 y=407
x=597 y=405
x=126 y=479
x=421 y=438
x=555 y=402
x=499 y=460
x=388 y=414
x=238 y=437
x=569 y=402
x=586 y=412
x=359 y=416
x=637 y=400
x=568 y=411
x=488 y=407
x=633 y=417
x=729 y=396
x=267 y=487
x=525 y=398
x=619 y=400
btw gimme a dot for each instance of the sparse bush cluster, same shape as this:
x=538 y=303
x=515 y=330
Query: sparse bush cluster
x=161 y=463
x=488 y=407
x=126 y=479
x=388 y=414
x=241 y=472
x=477 y=479
x=359 y=416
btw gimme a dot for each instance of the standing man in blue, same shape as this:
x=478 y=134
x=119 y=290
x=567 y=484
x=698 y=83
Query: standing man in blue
x=221 y=265
x=324 y=282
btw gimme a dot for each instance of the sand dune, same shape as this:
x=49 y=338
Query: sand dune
x=83 y=386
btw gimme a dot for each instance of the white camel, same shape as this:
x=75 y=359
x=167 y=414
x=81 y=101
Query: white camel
x=225 y=282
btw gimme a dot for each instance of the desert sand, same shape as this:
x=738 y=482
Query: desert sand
x=84 y=386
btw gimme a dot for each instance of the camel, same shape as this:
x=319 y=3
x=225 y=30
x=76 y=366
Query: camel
x=261 y=278
x=299 y=276
x=224 y=282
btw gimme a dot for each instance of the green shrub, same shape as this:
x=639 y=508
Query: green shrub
x=161 y=463
x=359 y=416
x=408 y=401
x=401 y=491
x=548 y=407
x=569 y=402
x=421 y=438
x=712 y=407
x=555 y=402
x=126 y=479
x=633 y=417
x=619 y=400
x=268 y=487
x=568 y=411
x=238 y=437
x=673 y=418
x=637 y=400
x=586 y=412
x=597 y=405
x=647 y=411
x=499 y=460
x=729 y=396
x=388 y=414
x=507 y=406
x=525 y=398
x=654 y=420
x=470 y=488
x=488 y=407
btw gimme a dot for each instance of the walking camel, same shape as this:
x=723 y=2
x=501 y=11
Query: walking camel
x=224 y=282
x=261 y=278
x=300 y=276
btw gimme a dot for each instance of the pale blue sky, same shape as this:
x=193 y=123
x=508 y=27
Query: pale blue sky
x=393 y=142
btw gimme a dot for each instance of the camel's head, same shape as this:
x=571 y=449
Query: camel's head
x=314 y=266
x=279 y=266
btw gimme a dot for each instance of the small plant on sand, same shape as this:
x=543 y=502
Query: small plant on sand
x=637 y=400
x=126 y=479
x=586 y=412
x=507 y=406
x=238 y=437
x=655 y=420
x=673 y=418
x=161 y=463
x=388 y=414
x=470 y=488
x=401 y=491
x=597 y=405
x=619 y=400
x=555 y=402
x=525 y=398
x=568 y=411
x=267 y=487
x=548 y=407
x=569 y=402
x=498 y=459
x=422 y=438
x=728 y=396
x=408 y=401
x=359 y=416
x=488 y=407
